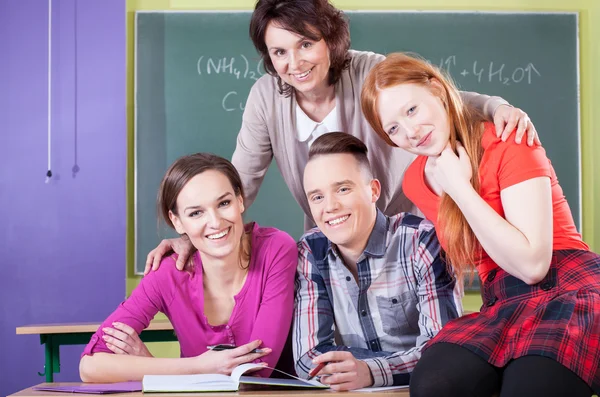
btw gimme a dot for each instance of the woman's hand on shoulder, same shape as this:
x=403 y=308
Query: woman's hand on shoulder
x=181 y=246
x=122 y=339
x=507 y=118
x=225 y=361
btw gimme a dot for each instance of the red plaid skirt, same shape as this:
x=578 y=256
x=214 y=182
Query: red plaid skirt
x=557 y=318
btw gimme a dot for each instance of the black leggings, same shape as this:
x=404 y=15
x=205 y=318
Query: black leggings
x=449 y=370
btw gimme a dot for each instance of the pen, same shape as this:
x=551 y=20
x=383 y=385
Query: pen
x=219 y=348
x=315 y=370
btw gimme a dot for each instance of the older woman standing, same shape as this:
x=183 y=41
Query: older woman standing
x=313 y=87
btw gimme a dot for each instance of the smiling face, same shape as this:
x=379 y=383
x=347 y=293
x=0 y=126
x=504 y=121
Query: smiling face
x=342 y=200
x=300 y=62
x=414 y=118
x=210 y=214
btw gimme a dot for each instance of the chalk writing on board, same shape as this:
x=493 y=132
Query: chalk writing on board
x=231 y=102
x=241 y=68
x=491 y=72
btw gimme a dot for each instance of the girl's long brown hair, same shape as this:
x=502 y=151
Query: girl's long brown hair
x=462 y=248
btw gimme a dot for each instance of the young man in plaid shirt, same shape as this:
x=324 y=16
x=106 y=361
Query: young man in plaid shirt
x=371 y=289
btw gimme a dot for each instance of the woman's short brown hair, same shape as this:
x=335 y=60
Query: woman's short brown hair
x=313 y=19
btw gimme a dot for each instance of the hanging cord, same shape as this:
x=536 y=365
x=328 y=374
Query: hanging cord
x=49 y=172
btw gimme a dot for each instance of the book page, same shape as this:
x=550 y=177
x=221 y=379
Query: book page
x=183 y=383
x=237 y=373
x=237 y=377
x=300 y=383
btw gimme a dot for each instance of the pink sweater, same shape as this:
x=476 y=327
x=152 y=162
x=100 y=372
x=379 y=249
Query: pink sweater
x=263 y=307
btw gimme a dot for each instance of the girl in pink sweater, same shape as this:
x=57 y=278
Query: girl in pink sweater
x=237 y=289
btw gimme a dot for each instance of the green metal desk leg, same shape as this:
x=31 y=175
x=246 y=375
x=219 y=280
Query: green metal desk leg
x=55 y=355
x=52 y=359
x=46 y=340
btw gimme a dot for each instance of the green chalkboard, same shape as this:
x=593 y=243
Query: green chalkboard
x=194 y=70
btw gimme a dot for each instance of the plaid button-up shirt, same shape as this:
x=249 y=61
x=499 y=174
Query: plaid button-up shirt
x=403 y=297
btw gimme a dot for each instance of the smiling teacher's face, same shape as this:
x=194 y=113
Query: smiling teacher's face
x=299 y=61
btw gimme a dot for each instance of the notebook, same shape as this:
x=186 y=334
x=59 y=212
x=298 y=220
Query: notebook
x=218 y=383
x=382 y=388
x=94 y=388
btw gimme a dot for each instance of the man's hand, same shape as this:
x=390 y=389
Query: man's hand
x=181 y=246
x=122 y=339
x=507 y=118
x=343 y=371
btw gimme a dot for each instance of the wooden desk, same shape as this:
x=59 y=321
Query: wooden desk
x=55 y=335
x=263 y=393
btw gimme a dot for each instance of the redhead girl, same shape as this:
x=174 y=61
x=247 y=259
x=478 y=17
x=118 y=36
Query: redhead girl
x=498 y=208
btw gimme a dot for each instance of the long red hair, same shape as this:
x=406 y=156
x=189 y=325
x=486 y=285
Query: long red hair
x=462 y=247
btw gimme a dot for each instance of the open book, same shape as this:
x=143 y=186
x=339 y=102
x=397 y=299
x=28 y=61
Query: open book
x=215 y=382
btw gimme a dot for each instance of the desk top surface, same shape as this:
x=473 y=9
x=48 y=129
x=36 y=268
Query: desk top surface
x=29 y=392
x=73 y=328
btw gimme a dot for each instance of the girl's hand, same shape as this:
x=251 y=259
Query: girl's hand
x=453 y=172
x=225 y=361
x=122 y=339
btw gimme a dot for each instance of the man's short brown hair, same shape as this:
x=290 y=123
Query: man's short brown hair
x=341 y=143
